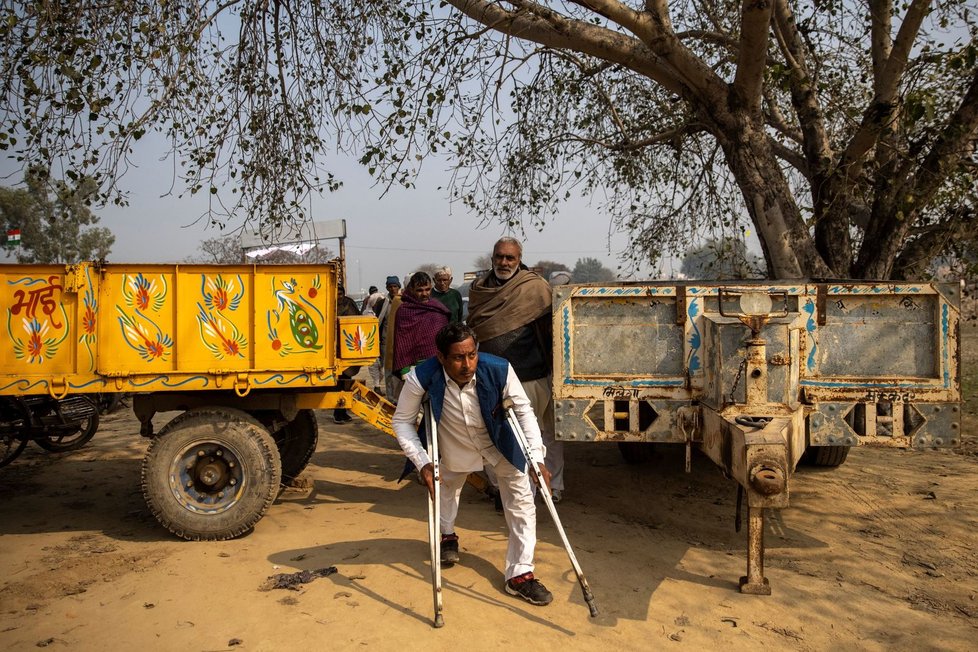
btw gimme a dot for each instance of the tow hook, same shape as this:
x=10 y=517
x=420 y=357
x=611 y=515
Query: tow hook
x=766 y=479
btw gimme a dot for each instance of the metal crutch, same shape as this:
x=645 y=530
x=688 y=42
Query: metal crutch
x=514 y=423
x=434 y=513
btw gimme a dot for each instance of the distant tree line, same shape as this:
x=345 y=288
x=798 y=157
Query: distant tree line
x=54 y=220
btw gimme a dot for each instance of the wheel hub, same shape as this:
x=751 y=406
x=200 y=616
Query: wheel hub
x=206 y=477
x=211 y=474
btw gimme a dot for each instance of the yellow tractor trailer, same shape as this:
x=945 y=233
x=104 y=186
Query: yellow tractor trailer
x=245 y=353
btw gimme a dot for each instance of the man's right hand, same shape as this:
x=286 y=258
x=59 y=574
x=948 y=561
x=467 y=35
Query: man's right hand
x=428 y=476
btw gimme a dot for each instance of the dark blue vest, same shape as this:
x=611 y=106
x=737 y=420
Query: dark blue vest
x=490 y=376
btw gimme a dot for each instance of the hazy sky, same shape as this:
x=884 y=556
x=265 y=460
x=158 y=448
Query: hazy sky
x=386 y=235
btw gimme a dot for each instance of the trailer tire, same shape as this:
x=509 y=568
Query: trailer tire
x=296 y=443
x=637 y=452
x=211 y=474
x=825 y=456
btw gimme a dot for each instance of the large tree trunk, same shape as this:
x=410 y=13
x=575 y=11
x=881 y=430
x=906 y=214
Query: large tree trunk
x=788 y=246
x=835 y=210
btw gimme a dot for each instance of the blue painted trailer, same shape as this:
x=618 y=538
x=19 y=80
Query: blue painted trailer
x=758 y=375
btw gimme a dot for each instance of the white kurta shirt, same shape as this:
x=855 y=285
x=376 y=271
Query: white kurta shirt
x=463 y=439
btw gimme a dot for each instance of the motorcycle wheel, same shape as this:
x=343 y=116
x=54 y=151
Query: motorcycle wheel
x=74 y=440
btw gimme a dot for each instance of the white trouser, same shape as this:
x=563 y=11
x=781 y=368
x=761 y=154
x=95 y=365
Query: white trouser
x=540 y=393
x=375 y=373
x=521 y=516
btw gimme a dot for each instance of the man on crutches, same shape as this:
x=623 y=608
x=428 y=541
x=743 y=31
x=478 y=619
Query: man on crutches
x=466 y=391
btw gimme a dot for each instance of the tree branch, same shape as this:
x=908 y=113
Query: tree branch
x=958 y=140
x=791 y=157
x=755 y=21
x=931 y=241
x=880 y=112
x=827 y=190
x=667 y=136
x=814 y=137
x=654 y=51
x=881 y=25
x=719 y=38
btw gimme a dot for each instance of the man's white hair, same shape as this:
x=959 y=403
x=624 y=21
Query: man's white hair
x=509 y=240
x=444 y=270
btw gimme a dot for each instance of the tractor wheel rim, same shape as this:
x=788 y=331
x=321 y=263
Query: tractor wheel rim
x=207 y=477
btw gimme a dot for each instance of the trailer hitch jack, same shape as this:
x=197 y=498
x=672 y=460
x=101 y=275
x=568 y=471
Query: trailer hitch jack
x=754 y=583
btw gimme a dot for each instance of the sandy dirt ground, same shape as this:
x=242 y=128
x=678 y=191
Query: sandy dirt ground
x=879 y=554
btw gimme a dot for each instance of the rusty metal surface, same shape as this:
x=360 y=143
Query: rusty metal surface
x=754 y=373
x=888 y=335
x=841 y=350
x=589 y=420
x=649 y=325
x=754 y=583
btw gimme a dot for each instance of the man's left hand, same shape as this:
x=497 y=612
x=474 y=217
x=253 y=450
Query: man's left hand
x=428 y=478
x=545 y=473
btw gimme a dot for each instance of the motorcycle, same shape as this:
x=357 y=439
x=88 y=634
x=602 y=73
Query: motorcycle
x=56 y=425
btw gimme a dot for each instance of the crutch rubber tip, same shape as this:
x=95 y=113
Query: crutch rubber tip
x=593 y=609
x=439 y=621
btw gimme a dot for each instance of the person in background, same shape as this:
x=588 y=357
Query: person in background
x=373 y=296
x=345 y=306
x=418 y=320
x=385 y=309
x=466 y=388
x=509 y=310
x=369 y=302
x=444 y=292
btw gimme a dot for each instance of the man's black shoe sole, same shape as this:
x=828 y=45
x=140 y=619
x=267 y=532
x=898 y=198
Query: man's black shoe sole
x=449 y=557
x=539 y=603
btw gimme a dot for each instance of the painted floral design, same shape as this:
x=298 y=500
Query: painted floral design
x=220 y=293
x=39 y=345
x=357 y=341
x=142 y=294
x=221 y=336
x=89 y=319
x=145 y=336
x=304 y=318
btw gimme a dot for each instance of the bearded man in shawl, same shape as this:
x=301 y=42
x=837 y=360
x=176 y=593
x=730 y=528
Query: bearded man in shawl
x=417 y=321
x=509 y=310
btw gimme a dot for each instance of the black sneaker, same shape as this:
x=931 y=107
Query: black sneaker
x=449 y=550
x=530 y=589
